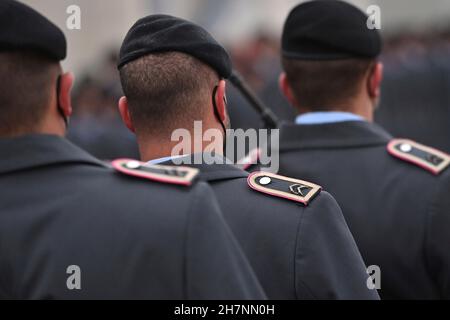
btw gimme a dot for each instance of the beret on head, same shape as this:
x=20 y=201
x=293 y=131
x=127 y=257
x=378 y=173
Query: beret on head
x=163 y=33
x=22 y=28
x=329 y=30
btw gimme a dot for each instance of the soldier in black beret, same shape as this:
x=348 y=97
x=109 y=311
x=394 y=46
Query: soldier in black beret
x=393 y=192
x=173 y=73
x=73 y=227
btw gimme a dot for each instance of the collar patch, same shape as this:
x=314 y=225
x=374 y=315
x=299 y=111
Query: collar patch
x=284 y=187
x=165 y=174
x=428 y=158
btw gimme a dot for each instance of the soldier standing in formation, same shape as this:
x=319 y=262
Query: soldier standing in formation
x=173 y=73
x=156 y=235
x=394 y=193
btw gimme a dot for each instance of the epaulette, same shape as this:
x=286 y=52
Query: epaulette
x=165 y=174
x=428 y=158
x=284 y=187
x=249 y=160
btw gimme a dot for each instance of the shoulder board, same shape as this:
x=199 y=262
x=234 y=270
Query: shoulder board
x=283 y=187
x=249 y=160
x=428 y=158
x=165 y=174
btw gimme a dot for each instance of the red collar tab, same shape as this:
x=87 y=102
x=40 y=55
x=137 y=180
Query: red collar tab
x=165 y=174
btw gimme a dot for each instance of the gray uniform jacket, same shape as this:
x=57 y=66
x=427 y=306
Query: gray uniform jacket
x=297 y=251
x=398 y=212
x=131 y=238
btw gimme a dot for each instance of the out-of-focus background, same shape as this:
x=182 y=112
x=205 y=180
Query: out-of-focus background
x=416 y=91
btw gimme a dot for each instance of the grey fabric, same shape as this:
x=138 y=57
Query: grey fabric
x=397 y=211
x=297 y=252
x=132 y=238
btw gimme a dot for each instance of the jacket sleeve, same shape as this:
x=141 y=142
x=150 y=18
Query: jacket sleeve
x=328 y=264
x=438 y=238
x=216 y=268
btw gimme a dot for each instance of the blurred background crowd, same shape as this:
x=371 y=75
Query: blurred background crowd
x=416 y=91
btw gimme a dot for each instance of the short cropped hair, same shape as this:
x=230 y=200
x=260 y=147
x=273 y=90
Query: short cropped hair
x=323 y=85
x=25 y=90
x=167 y=91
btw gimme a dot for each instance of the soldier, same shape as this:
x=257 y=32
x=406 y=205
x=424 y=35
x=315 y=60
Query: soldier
x=394 y=193
x=173 y=73
x=73 y=228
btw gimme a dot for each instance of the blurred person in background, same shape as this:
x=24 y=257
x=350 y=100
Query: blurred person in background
x=415 y=100
x=95 y=125
x=258 y=61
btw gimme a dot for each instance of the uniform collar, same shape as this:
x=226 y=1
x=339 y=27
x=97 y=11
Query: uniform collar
x=214 y=172
x=32 y=151
x=332 y=135
x=326 y=117
x=164 y=159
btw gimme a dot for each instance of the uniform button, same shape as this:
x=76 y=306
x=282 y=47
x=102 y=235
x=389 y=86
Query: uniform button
x=133 y=164
x=406 y=148
x=265 y=181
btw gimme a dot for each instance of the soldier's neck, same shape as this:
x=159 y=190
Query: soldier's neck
x=157 y=148
x=358 y=106
x=42 y=128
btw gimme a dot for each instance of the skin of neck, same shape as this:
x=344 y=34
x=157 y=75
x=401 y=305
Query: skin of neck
x=50 y=124
x=158 y=143
x=360 y=105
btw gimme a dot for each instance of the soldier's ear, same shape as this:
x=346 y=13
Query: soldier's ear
x=125 y=113
x=64 y=94
x=286 y=90
x=221 y=101
x=374 y=81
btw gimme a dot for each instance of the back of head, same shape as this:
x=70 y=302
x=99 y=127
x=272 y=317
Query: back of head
x=26 y=92
x=169 y=68
x=167 y=91
x=327 y=51
x=326 y=85
x=30 y=50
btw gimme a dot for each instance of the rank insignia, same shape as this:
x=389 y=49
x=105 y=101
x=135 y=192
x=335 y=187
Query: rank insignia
x=428 y=158
x=284 y=187
x=166 y=174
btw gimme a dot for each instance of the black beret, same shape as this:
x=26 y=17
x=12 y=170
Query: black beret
x=329 y=30
x=163 y=33
x=22 y=28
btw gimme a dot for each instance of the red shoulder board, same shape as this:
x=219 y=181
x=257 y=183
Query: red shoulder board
x=165 y=174
x=428 y=158
x=283 y=187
